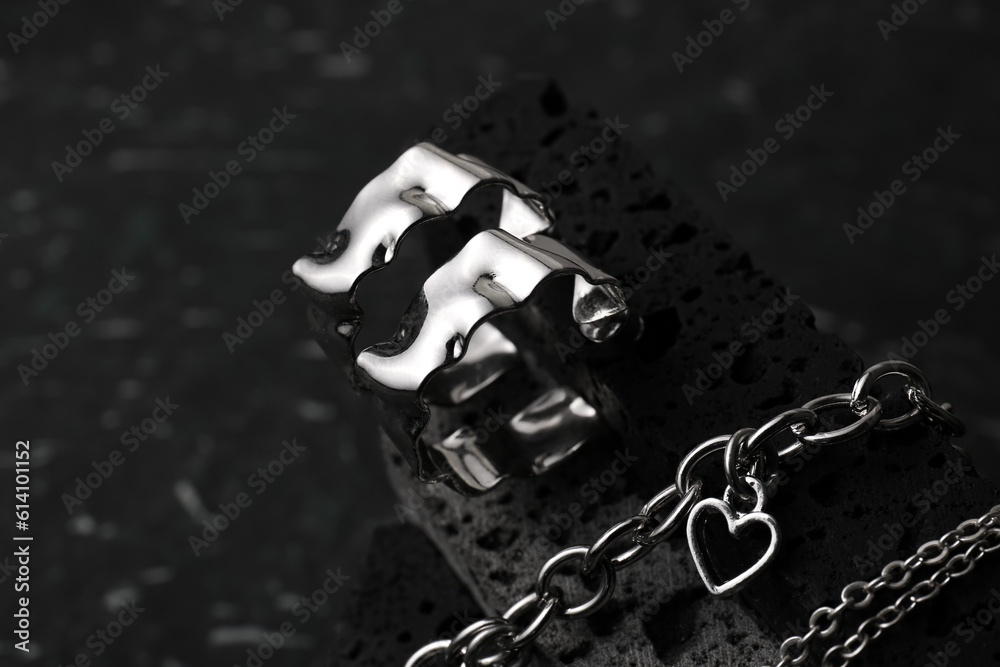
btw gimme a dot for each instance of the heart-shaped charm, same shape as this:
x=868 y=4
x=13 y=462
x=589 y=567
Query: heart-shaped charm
x=736 y=523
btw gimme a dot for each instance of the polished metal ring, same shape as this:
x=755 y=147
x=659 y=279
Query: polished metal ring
x=447 y=350
x=546 y=612
x=939 y=415
x=806 y=420
x=599 y=549
x=684 y=476
x=675 y=519
x=863 y=387
x=491 y=638
x=862 y=426
x=428 y=653
x=459 y=646
x=584 y=609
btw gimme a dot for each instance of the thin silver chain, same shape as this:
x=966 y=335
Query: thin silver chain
x=506 y=641
x=959 y=550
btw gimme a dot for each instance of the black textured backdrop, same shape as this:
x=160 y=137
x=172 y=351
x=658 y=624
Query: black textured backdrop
x=163 y=335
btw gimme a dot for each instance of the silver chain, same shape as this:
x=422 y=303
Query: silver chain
x=958 y=550
x=505 y=641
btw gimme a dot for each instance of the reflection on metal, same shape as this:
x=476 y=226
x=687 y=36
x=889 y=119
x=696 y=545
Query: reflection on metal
x=445 y=353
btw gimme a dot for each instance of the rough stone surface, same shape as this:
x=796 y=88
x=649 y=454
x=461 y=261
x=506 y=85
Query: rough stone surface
x=405 y=595
x=704 y=299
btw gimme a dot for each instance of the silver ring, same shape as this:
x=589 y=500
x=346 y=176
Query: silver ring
x=427 y=654
x=940 y=415
x=598 y=600
x=447 y=350
x=683 y=477
x=862 y=426
x=862 y=388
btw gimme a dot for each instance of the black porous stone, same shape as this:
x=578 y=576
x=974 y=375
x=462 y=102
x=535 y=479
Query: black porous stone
x=702 y=301
x=405 y=595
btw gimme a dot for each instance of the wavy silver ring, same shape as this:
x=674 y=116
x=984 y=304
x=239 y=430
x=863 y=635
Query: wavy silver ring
x=446 y=350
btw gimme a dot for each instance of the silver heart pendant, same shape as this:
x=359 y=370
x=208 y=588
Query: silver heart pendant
x=737 y=522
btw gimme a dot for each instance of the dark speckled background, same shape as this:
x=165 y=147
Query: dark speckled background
x=163 y=335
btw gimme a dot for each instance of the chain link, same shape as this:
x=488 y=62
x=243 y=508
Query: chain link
x=937 y=414
x=546 y=611
x=506 y=641
x=543 y=584
x=867 y=420
x=599 y=550
x=798 y=420
x=673 y=521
